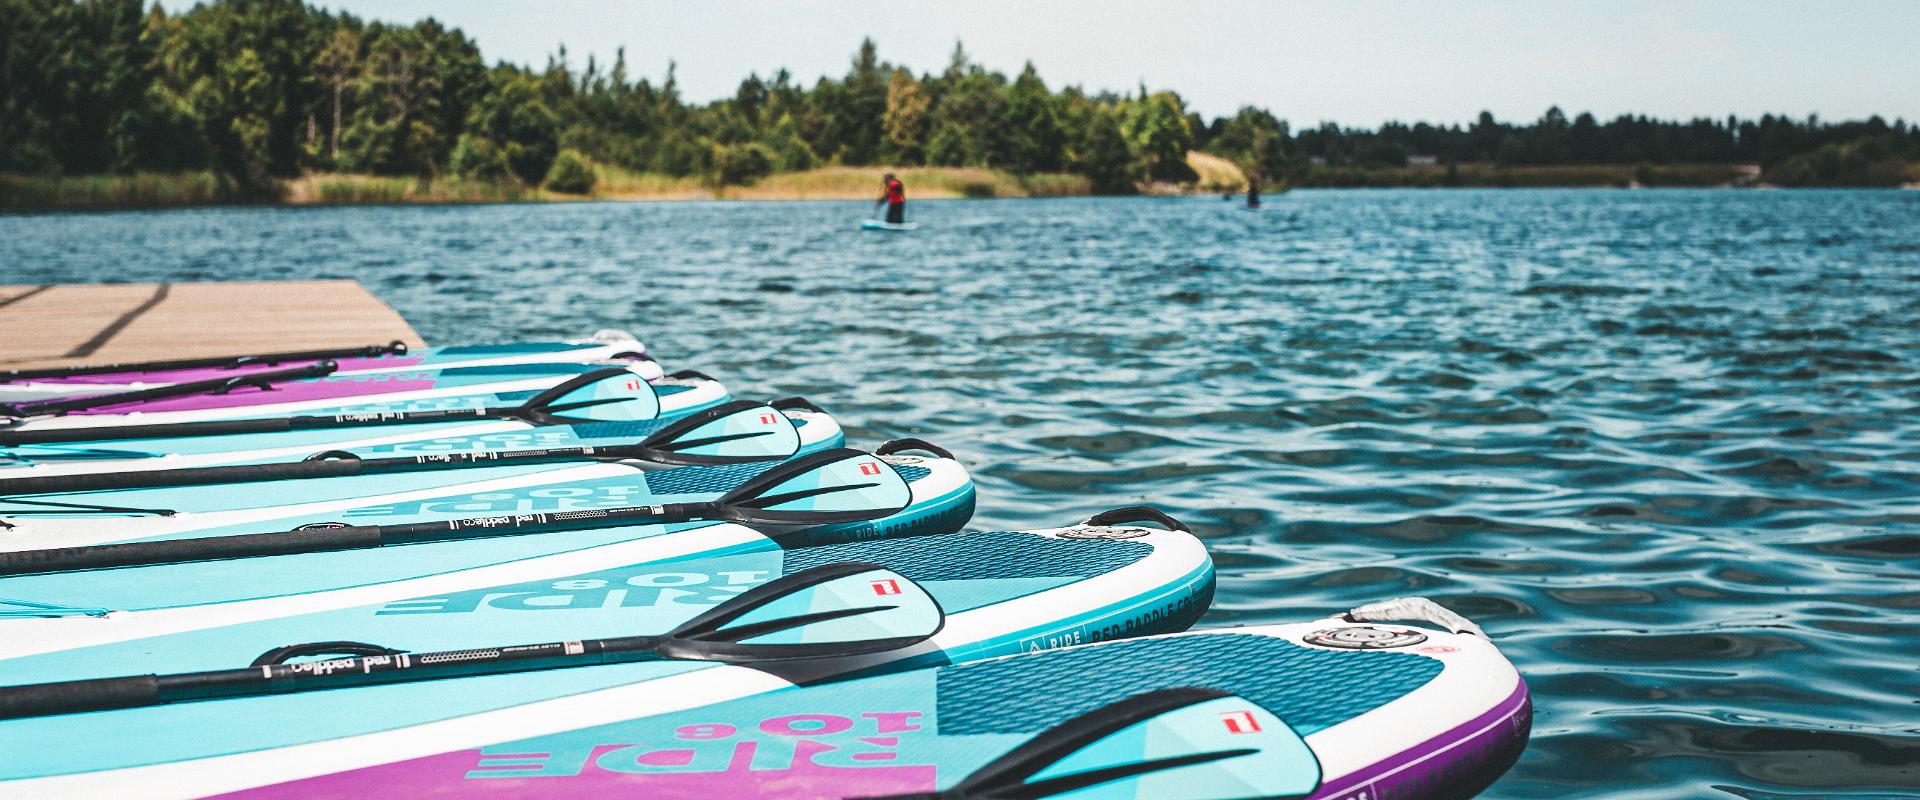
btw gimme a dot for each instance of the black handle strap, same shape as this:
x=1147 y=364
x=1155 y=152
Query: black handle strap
x=1132 y=514
x=901 y=445
x=690 y=374
x=792 y=403
x=286 y=653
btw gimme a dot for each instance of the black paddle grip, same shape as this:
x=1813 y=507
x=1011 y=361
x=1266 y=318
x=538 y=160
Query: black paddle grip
x=65 y=697
x=174 y=551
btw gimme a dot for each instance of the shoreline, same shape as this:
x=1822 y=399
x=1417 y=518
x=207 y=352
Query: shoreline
x=27 y=193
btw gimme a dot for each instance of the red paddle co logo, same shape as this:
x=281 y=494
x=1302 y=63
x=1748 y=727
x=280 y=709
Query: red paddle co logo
x=1240 y=722
x=869 y=468
x=886 y=587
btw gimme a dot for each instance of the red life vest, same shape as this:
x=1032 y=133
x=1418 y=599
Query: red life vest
x=896 y=194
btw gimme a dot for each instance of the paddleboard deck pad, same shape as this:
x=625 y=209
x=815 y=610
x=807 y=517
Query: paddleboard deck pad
x=1002 y=593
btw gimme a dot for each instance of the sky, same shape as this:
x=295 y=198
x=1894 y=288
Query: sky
x=1353 y=63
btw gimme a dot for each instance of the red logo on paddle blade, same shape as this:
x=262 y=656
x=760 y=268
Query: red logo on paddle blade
x=1240 y=722
x=886 y=587
x=869 y=468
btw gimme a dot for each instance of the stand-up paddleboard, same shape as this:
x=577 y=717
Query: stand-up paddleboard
x=882 y=225
x=456 y=387
x=503 y=533
x=1333 y=709
x=999 y=592
x=605 y=345
x=730 y=433
x=516 y=421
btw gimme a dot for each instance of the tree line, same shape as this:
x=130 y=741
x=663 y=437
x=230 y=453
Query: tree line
x=257 y=91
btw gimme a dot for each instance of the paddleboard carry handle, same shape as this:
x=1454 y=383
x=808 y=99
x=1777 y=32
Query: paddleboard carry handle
x=1414 y=609
x=1132 y=514
x=285 y=653
x=796 y=404
x=901 y=445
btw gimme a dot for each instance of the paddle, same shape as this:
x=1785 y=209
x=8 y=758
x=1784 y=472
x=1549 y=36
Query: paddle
x=603 y=395
x=824 y=488
x=258 y=380
x=830 y=611
x=394 y=348
x=1182 y=743
x=729 y=433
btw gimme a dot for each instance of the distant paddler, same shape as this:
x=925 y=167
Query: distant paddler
x=894 y=195
x=1253 y=189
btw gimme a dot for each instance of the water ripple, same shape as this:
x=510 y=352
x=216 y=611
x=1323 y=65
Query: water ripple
x=1661 y=443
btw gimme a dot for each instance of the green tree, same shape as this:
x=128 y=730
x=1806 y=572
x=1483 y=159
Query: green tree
x=1101 y=153
x=513 y=115
x=906 y=120
x=1256 y=141
x=240 y=66
x=1036 y=141
x=572 y=173
x=1156 y=126
x=335 y=67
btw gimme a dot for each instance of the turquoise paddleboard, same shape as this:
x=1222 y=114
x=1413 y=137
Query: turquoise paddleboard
x=937 y=497
x=462 y=429
x=89 y=380
x=410 y=389
x=879 y=225
x=1331 y=709
x=92 y=517
x=1001 y=593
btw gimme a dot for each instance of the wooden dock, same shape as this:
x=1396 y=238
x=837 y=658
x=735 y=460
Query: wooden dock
x=71 y=324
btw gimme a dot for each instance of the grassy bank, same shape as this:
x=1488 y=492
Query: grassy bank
x=143 y=190
x=33 y=192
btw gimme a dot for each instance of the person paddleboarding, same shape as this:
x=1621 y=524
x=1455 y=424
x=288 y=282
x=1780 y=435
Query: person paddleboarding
x=894 y=195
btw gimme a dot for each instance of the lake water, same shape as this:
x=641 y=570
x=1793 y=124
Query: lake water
x=1662 y=444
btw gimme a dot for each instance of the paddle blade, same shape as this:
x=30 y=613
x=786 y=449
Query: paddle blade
x=834 y=610
x=607 y=395
x=1186 y=743
x=736 y=431
x=831 y=486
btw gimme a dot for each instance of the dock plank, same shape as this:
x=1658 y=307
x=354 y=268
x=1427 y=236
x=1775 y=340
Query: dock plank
x=73 y=324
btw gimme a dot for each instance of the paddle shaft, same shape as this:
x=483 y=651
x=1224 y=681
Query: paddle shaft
x=317 y=468
x=395 y=348
x=350 y=537
x=134 y=691
x=231 y=427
